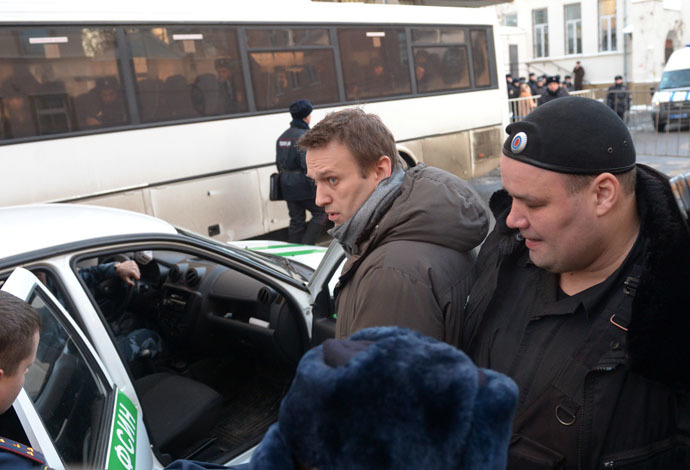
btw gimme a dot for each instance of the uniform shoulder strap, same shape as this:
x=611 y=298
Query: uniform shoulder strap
x=8 y=445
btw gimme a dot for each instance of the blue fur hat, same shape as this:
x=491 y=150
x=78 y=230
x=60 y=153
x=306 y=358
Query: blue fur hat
x=391 y=398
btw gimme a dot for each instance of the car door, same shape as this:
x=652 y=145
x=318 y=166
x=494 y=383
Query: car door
x=70 y=409
x=321 y=288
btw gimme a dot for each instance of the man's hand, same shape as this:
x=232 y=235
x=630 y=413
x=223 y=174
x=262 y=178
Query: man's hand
x=127 y=271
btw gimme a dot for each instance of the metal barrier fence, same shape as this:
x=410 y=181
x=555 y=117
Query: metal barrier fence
x=654 y=134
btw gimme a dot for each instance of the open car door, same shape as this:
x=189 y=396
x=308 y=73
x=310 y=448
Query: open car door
x=321 y=288
x=70 y=409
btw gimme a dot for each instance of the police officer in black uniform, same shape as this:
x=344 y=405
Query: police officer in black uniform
x=298 y=190
x=581 y=296
x=19 y=336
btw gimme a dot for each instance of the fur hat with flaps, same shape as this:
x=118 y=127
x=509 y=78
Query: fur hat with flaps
x=390 y=398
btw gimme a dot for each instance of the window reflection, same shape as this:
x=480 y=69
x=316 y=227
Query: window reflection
x=480 y=59
x=65 y=393
x=279 y=78
x=52 y=81
x=186 y=72
x=441 y=68
x=375 y=62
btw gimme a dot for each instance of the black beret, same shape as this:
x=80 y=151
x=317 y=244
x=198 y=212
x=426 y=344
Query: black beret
x=552 y=79
x=572 y=135
x=300 y=109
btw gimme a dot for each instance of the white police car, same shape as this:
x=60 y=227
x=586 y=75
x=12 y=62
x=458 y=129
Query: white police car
x=223 y=328
x=671 y=102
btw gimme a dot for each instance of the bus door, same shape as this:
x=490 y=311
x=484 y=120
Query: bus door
x=70 y=410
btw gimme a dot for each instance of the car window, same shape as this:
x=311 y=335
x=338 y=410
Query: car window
x=64 y=390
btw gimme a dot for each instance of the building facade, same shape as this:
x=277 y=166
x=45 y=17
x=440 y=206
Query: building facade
x=632 y=38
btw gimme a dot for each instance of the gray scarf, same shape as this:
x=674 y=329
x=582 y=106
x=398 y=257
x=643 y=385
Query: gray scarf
x=369 y=213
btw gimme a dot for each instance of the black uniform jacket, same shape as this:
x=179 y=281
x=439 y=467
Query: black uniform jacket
x=547 y=96
x=292 y=165
x=593 y=395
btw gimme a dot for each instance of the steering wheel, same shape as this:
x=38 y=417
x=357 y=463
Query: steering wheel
x=113 y=294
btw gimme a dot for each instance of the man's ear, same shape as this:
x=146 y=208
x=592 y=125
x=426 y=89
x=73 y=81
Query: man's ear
x=607 y=190
x=2 y=373
x=383 y=168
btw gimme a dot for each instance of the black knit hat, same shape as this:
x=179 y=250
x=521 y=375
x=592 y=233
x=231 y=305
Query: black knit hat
x=572 y=135
x=300 y=109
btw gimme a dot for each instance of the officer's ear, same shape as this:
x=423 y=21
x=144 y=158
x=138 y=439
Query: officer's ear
x=607 y=190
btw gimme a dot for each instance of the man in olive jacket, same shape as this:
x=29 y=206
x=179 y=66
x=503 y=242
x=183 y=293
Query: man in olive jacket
x=408 y=235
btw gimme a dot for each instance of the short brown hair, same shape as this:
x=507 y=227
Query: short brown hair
x=19 y=323
x=365 y=135
x=576 y=183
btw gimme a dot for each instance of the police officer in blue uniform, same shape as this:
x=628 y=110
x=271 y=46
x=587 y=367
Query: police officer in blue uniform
x=19 y=336
x=298 y=190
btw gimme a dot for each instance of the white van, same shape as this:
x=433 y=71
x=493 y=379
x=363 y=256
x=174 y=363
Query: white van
x=671 y=101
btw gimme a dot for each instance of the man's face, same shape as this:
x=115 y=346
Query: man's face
x=10 y=385
x=559 y=228
x=108 y=95
x=224 y=74
x=340 y=187
x=619 y=81
x=553 y=86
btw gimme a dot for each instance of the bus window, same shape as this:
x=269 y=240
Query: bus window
x=58 y=79
x=185 y=72
x=298 y=70
x=443 y=63
x=375 y=62
x=480 y=59
x=270 y=38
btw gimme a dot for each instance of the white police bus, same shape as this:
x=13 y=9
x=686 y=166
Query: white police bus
x=173 y=108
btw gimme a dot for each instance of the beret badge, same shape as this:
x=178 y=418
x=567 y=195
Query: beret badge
x=518 y=143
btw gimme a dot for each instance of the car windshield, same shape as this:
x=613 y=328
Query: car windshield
x=292 y=268
x=675 y=79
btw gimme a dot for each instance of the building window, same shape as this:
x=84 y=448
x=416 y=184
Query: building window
x=541 y=33
x=510 y=19
x=573 y=29
x=607 y=25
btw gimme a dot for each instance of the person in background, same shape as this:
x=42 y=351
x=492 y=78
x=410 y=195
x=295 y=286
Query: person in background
x=108 y=107
x=532 y=82
x=579 y=72
x=408 y=235
x=553 y=90
x=298 y=190
x=567 y=83
x=231 y=96
x=20 y=333
x=527 y=104
x=618 y=97
x=510 y=87
x=581 y=296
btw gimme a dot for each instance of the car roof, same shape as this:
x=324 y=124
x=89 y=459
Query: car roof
x=679 y=60
x=33 y=227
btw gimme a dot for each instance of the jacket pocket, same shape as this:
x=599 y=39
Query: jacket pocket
x=524 y=453
x=668 y=454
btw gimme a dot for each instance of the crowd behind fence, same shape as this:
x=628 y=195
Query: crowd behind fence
x=652 y=135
